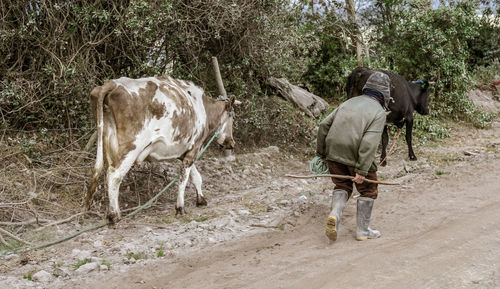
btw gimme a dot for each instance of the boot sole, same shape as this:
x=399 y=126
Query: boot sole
x=331 y=228
x=364 y=238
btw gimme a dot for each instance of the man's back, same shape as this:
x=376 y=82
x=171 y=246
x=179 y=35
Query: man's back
x=355 y=124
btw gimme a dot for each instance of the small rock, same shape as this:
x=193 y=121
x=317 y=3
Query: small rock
x=103 y=268
x=284 y=203
x=11 y=256
x=62 y=272
x=79 y=254
x=42 y=276
x=271 y=208
x=471 y=153
x=127 y=248
x=87 y=268
x=243 y=212
x=272 y=149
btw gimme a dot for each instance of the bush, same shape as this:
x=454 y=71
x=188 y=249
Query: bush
x=434 y=44
x=56 y=52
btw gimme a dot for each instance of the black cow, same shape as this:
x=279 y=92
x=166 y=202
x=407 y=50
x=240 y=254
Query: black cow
x=407 y=96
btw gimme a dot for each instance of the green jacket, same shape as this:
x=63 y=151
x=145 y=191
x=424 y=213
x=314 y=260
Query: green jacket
x=351 y=133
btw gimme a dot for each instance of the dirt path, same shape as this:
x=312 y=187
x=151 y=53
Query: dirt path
x=440 y=229
x=436 y=235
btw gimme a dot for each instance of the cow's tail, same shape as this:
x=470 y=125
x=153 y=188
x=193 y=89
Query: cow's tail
x=354 y=84
x=349 y=86
x=97 y=102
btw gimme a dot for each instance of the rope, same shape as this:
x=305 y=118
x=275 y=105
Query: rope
x=318 y=166
x=392 y=147
x=103 y=224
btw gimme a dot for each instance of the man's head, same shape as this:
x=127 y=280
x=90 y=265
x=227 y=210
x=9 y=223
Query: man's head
x=380 y=82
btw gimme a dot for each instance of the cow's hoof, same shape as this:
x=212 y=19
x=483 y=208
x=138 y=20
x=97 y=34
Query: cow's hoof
x=179 y=211
x=413 y=158
x=200 y=201
x=384 y=163
x=112 y=219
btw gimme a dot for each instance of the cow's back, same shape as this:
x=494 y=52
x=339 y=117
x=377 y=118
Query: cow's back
x=164 y=113
x=400 y=104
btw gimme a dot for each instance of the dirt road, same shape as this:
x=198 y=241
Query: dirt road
x=440 y=229
x=439 y=234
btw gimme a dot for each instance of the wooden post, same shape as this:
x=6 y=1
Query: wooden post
x=220 y=85
x=222 y=92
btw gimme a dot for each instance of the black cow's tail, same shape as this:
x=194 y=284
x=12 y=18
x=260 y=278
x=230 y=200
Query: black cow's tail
x=356 y=81
x=97 y=102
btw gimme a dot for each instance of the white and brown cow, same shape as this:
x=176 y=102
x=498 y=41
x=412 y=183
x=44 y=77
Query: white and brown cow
x=154 y=119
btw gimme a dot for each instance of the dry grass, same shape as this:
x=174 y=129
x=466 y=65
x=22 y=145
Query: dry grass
x=43 y=184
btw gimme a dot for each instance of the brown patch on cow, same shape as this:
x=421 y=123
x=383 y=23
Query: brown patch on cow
x=183 y=118
x=215 y=109
x=174 y=94
x=183 y=123
x=162 y=78
x=128 y=113
x=179 y=83
x=157 y=109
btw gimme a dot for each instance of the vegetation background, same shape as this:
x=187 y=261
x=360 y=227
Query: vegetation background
x=53 y=52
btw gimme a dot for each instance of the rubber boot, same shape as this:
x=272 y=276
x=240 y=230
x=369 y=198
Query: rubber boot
x=339 y=199
x=364 y=232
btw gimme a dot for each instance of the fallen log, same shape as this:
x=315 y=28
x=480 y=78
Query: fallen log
x=309 y=103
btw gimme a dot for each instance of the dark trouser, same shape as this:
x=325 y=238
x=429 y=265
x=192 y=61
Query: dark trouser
x=366 y=189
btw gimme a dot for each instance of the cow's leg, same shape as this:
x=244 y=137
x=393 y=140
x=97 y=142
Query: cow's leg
x=92 y=186
x=115 y=177
x=409 y=127
x=196 y=179
x=184 y=177
x=385 y=141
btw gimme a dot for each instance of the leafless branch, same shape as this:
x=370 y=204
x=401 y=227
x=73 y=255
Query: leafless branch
x=14 y=237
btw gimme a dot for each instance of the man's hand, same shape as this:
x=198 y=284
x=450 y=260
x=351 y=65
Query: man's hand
x=358 y=179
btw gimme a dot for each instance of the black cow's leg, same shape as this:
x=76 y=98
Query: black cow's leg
x=409 y=127
x=385 y=141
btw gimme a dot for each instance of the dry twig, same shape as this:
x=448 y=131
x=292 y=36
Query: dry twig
x=14 y=237
x=60 y=221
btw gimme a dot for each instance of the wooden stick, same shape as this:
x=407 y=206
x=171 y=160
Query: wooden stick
x=14 y=237
x=59 y=222
x=342 y=177
x=2 y=240
x=220 y=85
x=29 y=222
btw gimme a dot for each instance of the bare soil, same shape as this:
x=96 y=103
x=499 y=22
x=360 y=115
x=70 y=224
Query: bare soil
x=440 y=229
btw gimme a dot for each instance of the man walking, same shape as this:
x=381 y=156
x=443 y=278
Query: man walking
x=348 y=139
